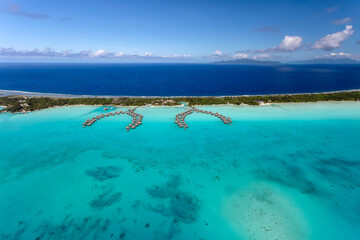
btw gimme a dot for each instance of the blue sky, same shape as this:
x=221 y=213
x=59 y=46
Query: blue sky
x=183 y=31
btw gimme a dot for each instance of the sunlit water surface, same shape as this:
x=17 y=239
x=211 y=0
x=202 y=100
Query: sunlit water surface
x=276 y=173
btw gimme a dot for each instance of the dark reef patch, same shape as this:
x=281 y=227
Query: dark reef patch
x=67 y=229
x=290 y=176
x=182 y=207
x=105 y=199
x=104 y=173
x=22 y=227
x=337 y=170
x=70 y=228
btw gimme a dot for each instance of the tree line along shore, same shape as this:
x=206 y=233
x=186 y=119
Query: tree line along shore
x=17 y=104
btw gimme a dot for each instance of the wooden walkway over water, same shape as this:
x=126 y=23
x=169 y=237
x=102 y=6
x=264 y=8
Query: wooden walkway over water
x=180 y=118
x=137 y=118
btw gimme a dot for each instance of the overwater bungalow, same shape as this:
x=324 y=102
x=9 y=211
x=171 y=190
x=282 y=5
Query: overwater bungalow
x=180 y=118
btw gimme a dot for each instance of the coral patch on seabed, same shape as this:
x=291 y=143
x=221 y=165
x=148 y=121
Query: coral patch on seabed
x=68 y=229
x=182 y=207
x=104 y=173
x=105 y=199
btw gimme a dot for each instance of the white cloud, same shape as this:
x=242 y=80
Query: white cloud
x=178 y=56
x=48 y=52
x=334 y=40
x=336 y=55
x=290 y=44
x=101 y=53
x=262 y=56
x=148 y=54
x=217 y=53
x=340 y=55
x=241 y=56
x=119 y=54
x=342 y=21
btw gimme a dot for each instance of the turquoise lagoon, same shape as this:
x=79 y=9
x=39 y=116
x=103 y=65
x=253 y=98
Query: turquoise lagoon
x=277 y=173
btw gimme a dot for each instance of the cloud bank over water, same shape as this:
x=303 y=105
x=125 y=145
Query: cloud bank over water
x=101 y=53
x=289 y=44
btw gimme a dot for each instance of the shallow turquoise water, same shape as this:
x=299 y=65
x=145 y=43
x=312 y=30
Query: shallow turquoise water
x=276 y=173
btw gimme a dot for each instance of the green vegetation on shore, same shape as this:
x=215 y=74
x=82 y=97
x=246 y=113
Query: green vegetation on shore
x=25 y=103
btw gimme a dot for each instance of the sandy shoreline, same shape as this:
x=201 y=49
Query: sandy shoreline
x=98 y=105
x=6 y=93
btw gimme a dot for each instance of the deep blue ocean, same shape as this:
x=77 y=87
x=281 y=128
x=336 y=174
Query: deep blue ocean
x=176 y=79
x=286 y=171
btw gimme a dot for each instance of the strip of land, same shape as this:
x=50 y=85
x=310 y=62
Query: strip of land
x=27 y=103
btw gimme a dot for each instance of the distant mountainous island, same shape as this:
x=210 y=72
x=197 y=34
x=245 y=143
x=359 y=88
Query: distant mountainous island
x=248 y=61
